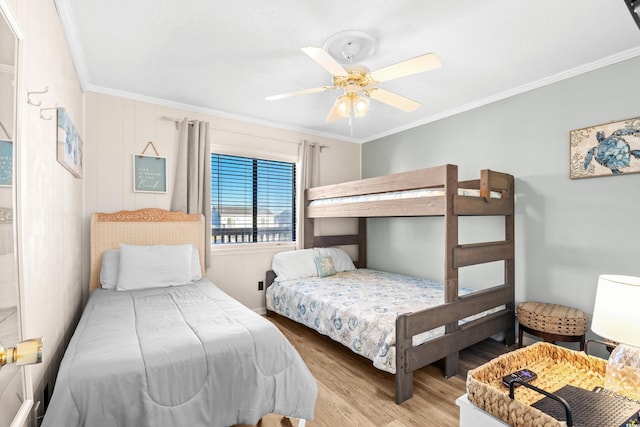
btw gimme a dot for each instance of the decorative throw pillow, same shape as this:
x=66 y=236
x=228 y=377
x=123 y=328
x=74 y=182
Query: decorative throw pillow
x=325 y=266
x=341 y=259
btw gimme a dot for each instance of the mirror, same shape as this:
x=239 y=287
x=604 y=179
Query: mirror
x=11 y=388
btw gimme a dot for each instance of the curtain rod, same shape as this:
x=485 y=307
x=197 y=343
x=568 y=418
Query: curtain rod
x=178 y=121
x=173 y=119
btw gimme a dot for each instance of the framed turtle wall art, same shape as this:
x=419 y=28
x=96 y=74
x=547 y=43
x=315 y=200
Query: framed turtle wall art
x=605 y=150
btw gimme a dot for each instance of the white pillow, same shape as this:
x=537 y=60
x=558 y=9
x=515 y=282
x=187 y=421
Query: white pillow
x=196 y=271
x=154 y=266
x=111 y=267
x=341 y=259
x=291 y=265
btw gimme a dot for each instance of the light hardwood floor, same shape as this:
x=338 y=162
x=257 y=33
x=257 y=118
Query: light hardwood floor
x=354 y=393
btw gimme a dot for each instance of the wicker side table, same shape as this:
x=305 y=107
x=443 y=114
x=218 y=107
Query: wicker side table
x=551 y=322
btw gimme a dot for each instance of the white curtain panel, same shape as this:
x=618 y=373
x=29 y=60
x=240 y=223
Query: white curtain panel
x=309 y=177
x=192 y=188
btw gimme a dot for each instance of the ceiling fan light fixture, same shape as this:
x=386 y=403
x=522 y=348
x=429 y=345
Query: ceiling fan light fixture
x=343 y=105
x=360 y=105
x=356 y=80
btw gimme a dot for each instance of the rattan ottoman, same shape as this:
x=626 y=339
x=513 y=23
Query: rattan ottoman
x=551 y=322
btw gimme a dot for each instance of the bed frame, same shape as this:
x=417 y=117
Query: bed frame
x=150 y=226
x=450 y=206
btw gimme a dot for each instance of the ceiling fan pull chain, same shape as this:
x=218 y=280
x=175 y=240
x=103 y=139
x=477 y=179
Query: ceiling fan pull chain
x=351 y=121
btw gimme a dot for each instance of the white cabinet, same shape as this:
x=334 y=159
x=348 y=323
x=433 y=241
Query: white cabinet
x=472 y=416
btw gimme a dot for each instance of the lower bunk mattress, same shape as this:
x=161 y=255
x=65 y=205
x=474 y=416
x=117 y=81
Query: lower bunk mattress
x=359 y=308
x=177 y=356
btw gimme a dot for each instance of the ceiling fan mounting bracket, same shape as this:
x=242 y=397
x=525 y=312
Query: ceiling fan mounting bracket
x=350 y=46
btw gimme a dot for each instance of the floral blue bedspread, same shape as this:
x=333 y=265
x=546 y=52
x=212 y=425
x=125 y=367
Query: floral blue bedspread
x=358 y=308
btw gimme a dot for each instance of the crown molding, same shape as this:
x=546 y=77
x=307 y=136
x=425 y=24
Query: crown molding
x=595 y=65
x=211 y=112
x=69 y=27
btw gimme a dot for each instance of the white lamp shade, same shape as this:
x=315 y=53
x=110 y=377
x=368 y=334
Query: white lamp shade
x=616 y=312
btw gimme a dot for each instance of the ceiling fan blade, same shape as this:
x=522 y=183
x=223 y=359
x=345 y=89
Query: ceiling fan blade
x=393 y=99
x=325 y=60
x=415 y=65
x=299 y=92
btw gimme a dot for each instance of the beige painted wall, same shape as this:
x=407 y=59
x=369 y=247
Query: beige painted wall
x=116 y=128
x=50 y=199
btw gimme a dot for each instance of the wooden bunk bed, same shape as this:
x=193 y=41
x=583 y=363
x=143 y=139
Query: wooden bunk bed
x=450 y=204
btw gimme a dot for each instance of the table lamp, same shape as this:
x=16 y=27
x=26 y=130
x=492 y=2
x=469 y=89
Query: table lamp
x=616 y=317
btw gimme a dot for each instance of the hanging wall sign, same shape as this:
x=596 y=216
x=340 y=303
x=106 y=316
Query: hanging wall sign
x=6 y=163
x=149 y=172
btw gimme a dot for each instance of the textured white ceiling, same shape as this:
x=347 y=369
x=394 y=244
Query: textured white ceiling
x=225 y=57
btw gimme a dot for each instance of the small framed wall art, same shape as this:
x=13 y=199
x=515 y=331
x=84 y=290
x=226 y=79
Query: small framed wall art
x=149 y=172
x=6 y=163
x=605 y=150
x=69 y=144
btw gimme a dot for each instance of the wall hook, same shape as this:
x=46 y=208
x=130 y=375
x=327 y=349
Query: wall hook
x=43 y=117
x=36 y=92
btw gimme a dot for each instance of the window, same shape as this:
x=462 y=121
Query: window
x=252 y=200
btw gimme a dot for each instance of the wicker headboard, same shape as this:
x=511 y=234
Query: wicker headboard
x=149 y=226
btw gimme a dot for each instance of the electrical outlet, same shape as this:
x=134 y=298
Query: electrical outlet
x=260 y=285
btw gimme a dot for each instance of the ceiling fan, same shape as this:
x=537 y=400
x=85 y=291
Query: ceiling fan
x=357 y=81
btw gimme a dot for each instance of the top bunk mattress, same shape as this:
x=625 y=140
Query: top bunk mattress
x=398 y=195
x=359 y=308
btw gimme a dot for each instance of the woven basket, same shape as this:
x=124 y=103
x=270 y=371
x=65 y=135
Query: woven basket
x=555 y=367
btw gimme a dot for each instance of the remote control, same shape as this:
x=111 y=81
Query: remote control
x=525 y=375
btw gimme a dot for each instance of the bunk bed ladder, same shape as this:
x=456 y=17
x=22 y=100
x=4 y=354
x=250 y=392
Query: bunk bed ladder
x=451 y=362
x=509 y=263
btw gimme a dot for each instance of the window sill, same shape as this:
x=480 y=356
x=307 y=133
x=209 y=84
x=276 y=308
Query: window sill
x=245 y=248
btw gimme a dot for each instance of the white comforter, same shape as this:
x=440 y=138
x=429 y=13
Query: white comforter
x=177 y=356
